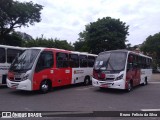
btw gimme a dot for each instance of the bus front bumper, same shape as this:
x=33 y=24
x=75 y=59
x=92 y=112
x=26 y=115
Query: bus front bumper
x=23 y=85
x=108 y=84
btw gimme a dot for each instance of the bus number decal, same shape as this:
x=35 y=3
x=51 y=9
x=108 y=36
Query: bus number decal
x=67 y=71
x=78 y=71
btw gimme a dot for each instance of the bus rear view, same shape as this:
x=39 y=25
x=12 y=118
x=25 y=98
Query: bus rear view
x=7 y=55
x=121 y=69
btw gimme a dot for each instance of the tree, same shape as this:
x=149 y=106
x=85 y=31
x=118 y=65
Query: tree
x=51 y=43
x=128 y=46
x=104 y=34
x=14 y=14
x=13 y=39
x=151 y=46
x=24 y=36
x=81 y=45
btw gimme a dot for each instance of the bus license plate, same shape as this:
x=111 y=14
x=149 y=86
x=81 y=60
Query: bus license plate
x=104 y=85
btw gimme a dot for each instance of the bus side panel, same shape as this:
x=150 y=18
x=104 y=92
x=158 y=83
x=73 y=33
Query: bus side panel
x=145 y=74
x=62 y=77
x=46 y=74
x=3 y=72
x=149 y=74
x=128 y=77
x=79 y=74
x=134 y=75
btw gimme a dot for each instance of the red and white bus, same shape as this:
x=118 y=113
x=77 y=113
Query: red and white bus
x=44 y=68
x=121 y=69
x=7 y=55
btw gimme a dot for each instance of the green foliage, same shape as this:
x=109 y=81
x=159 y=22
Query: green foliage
x=152 y=47
x=128 y=46
x=152 y=44
x=13 y=39
x=25 y=40
x=81 y=46
x=50 y=43
x=14 y=14
x=102 y=35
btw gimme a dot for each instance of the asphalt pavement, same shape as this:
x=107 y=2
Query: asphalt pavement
x=84 y=100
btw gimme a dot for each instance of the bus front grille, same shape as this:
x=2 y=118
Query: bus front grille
x=17 y=80
x=109 y=78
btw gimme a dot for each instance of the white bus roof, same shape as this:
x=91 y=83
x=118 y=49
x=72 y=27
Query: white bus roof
x=12 y=47
x=128 y=51
x=74 y=52
x=83 y=53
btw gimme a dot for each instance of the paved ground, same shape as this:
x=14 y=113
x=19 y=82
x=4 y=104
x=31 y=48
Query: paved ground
x=156 y=76
x=84 y=99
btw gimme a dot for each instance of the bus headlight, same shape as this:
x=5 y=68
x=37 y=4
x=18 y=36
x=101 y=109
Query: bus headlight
x=119 y=77
x=25 y=77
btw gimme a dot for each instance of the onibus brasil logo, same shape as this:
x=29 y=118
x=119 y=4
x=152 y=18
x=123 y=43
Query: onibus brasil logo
x=20 y=115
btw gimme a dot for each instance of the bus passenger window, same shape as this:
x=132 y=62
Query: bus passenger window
x=135 y=61
x=91 y=60
x=83 y=60
x=45 y=61
x=74 y=60
x=2 y=55
x=130 y=62
x=62 y=60
x=148 y=63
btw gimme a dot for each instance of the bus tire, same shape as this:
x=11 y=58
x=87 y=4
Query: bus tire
x=86 y=80
x=130 y=86
x=45 y=86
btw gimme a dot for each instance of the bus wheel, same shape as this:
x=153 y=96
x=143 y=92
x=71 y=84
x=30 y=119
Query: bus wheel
x=130 y=87
x=86 y=81
x=45 y=86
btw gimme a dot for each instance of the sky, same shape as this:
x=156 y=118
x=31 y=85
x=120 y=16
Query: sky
x=65 y=19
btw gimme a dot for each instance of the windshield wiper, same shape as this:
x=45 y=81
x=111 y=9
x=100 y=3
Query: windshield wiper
x=108 y=61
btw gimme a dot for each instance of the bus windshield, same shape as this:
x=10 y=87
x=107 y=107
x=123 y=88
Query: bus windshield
x=25 y=61
x=111 y=61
